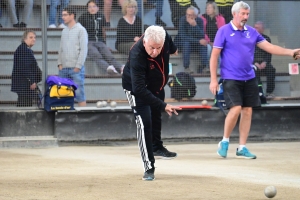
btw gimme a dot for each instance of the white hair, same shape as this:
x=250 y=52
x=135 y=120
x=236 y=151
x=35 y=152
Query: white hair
x=156 y=34
x=239 y=5
x=196 y=11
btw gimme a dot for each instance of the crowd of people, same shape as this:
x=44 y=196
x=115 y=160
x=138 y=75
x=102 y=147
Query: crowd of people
x=241 y=51
x=196 y=34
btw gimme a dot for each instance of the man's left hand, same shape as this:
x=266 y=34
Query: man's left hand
x=76 y=69
x=176 y=53
x=33 y=86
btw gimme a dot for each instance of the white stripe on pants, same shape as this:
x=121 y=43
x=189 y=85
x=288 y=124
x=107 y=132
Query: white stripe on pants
x=140 y=132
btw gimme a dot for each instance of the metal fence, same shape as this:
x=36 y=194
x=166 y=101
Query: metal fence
x=108 y=44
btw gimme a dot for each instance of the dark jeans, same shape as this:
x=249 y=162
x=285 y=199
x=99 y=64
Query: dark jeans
x=189 y=47
x=158 y=7
x=25 y=98
x=148 y=121
x=269 y=72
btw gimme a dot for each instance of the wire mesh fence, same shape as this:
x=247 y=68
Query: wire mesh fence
x=95 y=49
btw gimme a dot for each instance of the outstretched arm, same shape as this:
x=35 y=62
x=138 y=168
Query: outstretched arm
x=277 y=50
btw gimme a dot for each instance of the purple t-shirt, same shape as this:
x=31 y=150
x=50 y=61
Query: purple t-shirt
x=237 y=51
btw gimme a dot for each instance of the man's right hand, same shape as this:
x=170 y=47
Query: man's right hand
x=213 y=86
x=172 y=109
x=191 y=21
x=203 y=42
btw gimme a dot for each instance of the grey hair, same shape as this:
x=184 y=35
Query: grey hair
x=239 y=5
x=156 y=34
x=196 y=11
x=260 y=22
x=127 y=3
x=214 y=5
x=25 y=34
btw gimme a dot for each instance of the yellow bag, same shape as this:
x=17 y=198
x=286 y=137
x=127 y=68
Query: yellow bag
x=61 y=91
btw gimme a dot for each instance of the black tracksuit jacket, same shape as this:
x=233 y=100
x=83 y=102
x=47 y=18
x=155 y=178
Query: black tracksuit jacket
x=146 y=77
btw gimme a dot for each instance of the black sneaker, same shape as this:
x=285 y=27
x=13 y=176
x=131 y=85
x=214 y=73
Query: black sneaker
x=22 y=25
x=149 y=175
x=164 y=153
x=17 y=25
x=0 y=25
x=159 y=22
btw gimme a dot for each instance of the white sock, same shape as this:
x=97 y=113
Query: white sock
x=225 y=139
x=241 y=147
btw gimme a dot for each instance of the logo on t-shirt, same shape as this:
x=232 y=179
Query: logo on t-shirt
x=247 y=34
x=232 y=34
x=152 y=66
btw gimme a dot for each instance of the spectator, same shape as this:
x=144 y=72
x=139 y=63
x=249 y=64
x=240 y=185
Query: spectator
x=28 y=5
x=212 y=21
x=72 y=53
x=145 y=76
x=225 y=9
x=53 y=10
x=262 y=62
x=129 y=28
x=191 y=38
x=107 y=6
x=94 y=22
x=178 y=9
x=25 y=73
x=159 y=11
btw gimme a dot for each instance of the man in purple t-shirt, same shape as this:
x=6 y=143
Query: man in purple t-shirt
x=235 y=43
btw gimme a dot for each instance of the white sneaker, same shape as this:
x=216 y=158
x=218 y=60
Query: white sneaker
x=122 y=68
x=111 y=70
x=52 y=26
x=62 y=26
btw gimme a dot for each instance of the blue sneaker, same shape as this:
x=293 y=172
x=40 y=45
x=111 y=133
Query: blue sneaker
x=223 y=148
x=245 y=153
x=149 y=175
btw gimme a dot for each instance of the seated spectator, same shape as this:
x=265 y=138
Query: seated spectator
x=212 y=21
x=262 y=62
x=158 y=12
x=129 y=28
x=53 y=10
x=94 y=21
x=191 y=38
x=107 y=6
x=178 y=9
x=225 y=9
x=25 y=75
x=28 y=5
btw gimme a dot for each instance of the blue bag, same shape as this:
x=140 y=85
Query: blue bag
x=60 y=94
x=219 y=99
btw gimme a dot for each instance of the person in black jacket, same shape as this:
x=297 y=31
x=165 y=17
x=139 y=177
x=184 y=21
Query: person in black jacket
x=262 y=62
x=129 y=28
x=144 y=78
x=93 y=21
x=178 y=9
x=25 y=73
x=191 y=38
